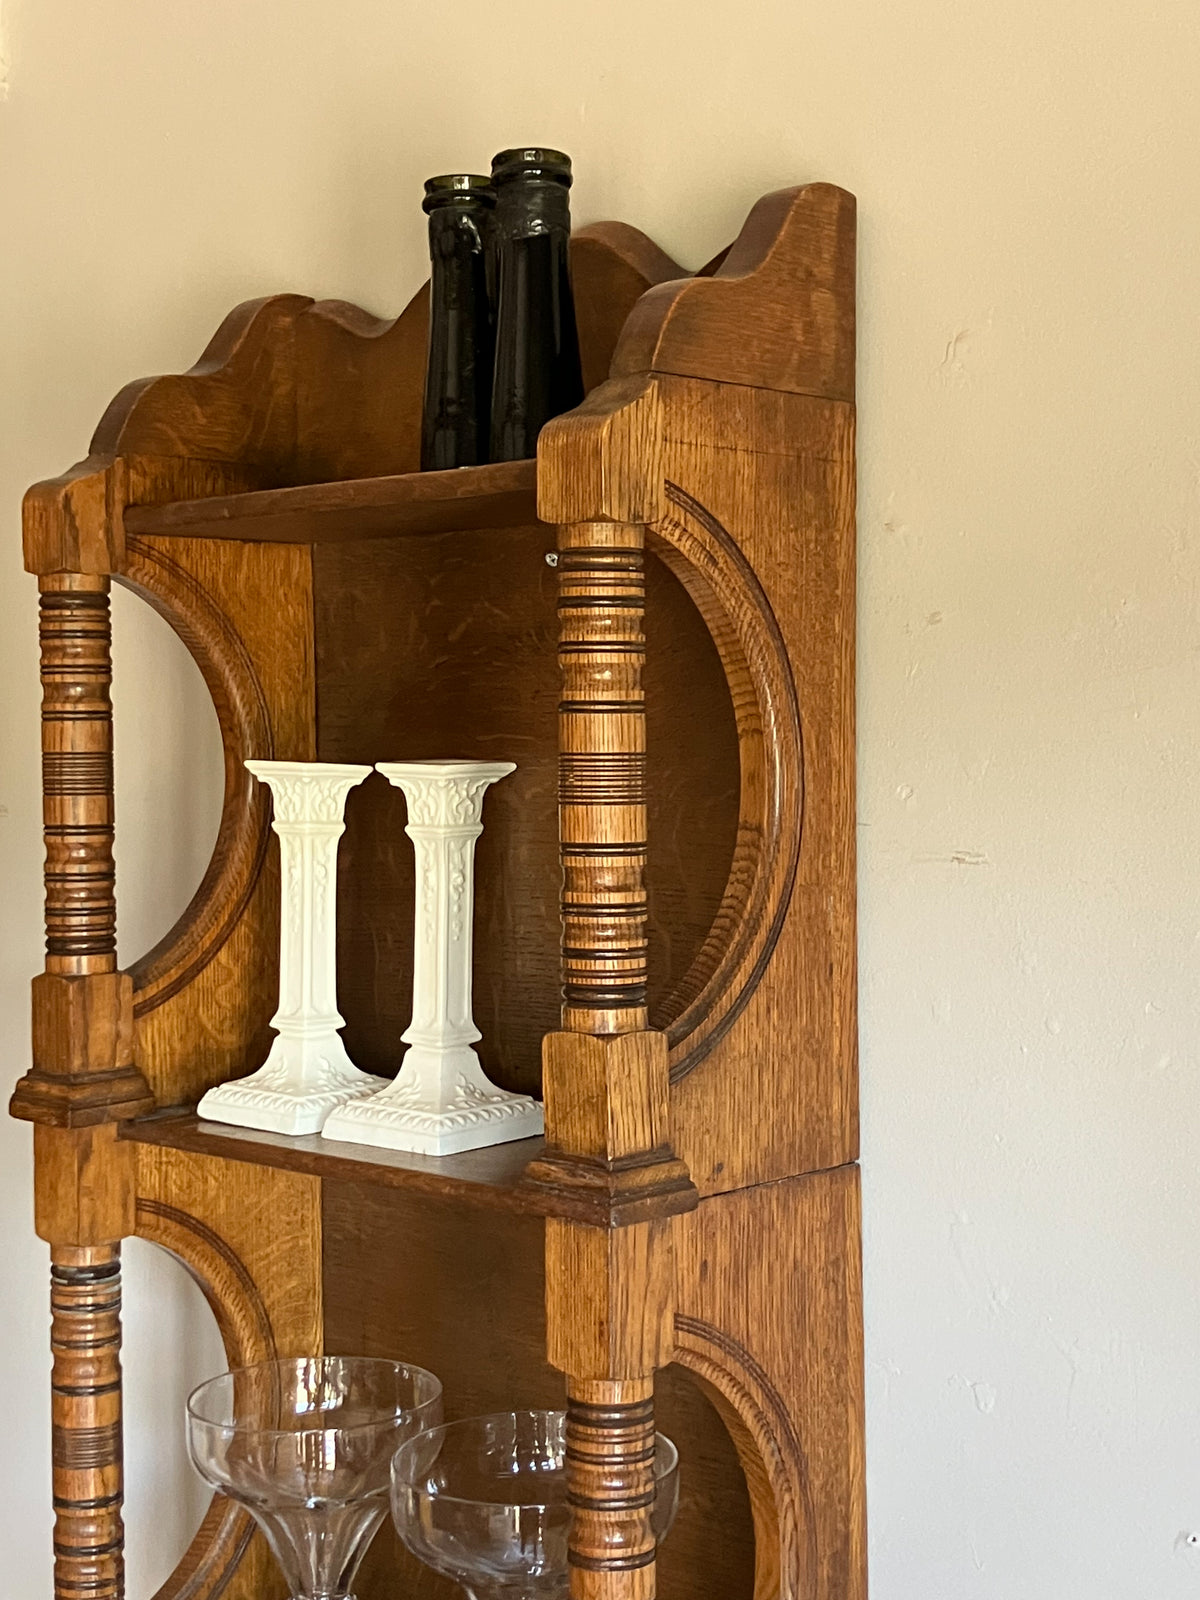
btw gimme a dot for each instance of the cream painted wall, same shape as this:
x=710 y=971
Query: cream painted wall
x=1030 y=659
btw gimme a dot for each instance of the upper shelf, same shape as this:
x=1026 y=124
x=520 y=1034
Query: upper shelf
x=503 y=495
x=302 y=419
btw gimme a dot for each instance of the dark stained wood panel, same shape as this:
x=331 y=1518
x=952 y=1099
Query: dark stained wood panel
x=498 y=496
x=445 y=647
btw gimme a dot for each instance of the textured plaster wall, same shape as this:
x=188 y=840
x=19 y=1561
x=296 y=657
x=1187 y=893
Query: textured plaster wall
x=1030 y=395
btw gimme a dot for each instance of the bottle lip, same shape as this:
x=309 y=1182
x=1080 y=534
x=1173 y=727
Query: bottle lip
x=532 y=161
x=450 y=186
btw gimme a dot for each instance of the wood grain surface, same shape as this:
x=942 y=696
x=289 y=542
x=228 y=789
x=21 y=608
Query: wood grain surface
x=729 y=423
x=610 y=1454
x=77 y=775
x=490 y=1177
x=769 y=1317
x=765 y=1054
x=777 y=313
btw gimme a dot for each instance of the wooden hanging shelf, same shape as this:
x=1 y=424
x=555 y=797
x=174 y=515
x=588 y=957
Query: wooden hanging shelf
x=665 y=902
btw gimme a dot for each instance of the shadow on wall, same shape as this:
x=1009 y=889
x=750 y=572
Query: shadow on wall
x=168 y=810
x=171 y=1344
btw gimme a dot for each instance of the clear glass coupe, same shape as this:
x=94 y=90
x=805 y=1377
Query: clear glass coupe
x=305 y=1446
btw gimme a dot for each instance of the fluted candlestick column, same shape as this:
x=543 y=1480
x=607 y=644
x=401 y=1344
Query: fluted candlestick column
x=441 y=1102
x=308 y=1072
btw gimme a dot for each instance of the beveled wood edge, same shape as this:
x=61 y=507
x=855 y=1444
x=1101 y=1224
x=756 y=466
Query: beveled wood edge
x=80 y=1100
x=769 y=1449
x=612 y=1194
x=730 y=964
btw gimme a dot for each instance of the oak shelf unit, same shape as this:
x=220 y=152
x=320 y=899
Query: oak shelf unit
x=655 y=621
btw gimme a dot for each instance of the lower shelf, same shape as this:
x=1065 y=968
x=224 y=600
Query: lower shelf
x=490 y=1177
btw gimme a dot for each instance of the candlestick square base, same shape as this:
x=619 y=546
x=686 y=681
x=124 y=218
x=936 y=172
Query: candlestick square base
x=439 y=1104
x=299 y=1084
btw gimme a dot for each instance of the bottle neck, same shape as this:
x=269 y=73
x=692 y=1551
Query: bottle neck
x=456 y=227
x=532 y=207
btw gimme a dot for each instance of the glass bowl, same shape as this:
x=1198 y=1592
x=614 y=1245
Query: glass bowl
x=484 y=1502
x=305 y=1445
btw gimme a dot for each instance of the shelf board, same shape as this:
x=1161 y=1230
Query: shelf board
x=489 y=1177
x=502 y=495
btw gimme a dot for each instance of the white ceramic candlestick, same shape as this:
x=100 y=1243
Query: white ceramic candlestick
x=308 y=1072
x=440 y=1101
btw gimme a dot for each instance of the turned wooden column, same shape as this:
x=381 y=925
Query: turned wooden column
x=83 y=1206
x=610 y=1469
x=83 y=1071
x=85 y=1339
x=77 y=774
x=606 y=1074
x=602 y=776
x=81 y=1083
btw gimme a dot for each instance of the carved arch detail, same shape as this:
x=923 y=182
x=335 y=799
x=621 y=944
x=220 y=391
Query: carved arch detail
x=771 y=1454
x=225 y=1533
x=706 y=559
x=245 y=722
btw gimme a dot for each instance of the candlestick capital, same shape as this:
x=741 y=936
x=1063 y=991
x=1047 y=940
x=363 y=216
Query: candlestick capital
x=444 y=794
x=309 y=791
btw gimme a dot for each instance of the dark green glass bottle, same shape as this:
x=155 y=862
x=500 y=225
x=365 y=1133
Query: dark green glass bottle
x=537 y=373
x=458 y=376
